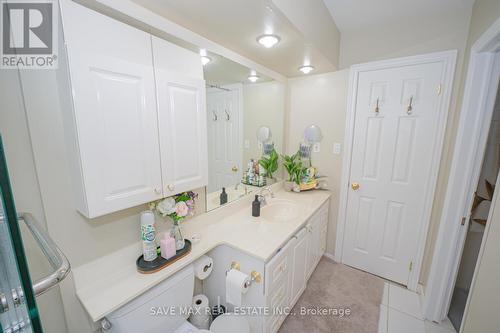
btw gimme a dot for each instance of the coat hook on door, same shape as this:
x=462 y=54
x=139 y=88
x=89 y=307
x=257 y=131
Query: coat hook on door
x=215 y=116
x=377 y=109
x=410 y=107
x=227 y=115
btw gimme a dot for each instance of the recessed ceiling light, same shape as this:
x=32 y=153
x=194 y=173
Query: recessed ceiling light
x=306 y=69
x=253 y=78
x=205 y=60
x=268 y=40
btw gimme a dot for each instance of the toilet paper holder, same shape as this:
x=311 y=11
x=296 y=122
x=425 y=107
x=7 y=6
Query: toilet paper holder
x=254 y=275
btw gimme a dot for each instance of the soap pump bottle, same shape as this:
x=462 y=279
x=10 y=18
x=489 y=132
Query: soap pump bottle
x=223 y=196
x=256 y=207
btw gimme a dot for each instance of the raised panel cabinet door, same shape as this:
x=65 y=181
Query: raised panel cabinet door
x=299 y=256
x=314 y=243
x=311 y=248
x=183 y=131
x=395 y=139
x=115 y=119
x=323 y=232
x=316 y=237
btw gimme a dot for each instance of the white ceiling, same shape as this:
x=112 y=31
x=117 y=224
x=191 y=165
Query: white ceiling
x=362 y=14
x=236 y=24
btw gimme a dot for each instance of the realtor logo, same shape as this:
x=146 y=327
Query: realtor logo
x=29 y=34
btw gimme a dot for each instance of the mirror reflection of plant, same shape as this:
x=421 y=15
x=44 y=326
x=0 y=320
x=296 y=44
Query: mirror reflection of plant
x=294 y=167
x=270 y=164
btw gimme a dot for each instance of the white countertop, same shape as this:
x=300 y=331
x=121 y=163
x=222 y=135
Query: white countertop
x=110 y=282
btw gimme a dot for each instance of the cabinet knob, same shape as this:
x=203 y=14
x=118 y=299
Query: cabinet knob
x=170 y=187
x=355 y=186
x=234 y=169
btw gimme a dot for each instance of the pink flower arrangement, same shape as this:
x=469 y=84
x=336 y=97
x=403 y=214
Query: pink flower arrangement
x=181 y=209
x=177 y=207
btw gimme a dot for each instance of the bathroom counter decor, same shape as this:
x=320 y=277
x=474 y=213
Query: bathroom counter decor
x=149 y=267
x=106 y=284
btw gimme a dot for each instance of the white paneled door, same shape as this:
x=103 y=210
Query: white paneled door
x=224 y=138
x=395 y=135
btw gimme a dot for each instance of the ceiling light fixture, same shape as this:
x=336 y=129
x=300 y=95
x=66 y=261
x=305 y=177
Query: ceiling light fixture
x=306 y=69
x=268 y=40
x=253 y=78
x=205 y=60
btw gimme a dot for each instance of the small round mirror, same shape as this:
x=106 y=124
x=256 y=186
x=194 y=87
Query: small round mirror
x=312 y=134
x=264 y=134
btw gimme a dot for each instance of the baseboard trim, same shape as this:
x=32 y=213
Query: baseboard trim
x=330 y=256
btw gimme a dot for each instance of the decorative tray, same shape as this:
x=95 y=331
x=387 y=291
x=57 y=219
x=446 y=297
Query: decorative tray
x=149 y=267
x=256 y=185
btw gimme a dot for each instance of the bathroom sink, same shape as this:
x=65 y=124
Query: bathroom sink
x=280 y=210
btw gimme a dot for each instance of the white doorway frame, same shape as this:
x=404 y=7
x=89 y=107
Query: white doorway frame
x=448 y=58
x=475 y=117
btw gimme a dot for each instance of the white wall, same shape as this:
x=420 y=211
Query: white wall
x=320 y=100
x=24 y=182
x=263 y=105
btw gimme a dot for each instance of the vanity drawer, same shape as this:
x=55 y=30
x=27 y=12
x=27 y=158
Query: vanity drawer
x=277 y=302
x=276 y=270
x=278 y=267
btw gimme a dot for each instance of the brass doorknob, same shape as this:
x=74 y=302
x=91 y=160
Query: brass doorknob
x=355 y=186
x=235 y=169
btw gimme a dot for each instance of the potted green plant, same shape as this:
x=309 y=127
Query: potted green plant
x=270 y=164
x=295 y=169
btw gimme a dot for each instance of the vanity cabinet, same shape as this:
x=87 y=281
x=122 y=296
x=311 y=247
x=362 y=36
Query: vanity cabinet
x=134 y=132
x=286 y=275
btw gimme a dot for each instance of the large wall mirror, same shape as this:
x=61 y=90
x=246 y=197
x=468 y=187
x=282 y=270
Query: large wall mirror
x=245 y=125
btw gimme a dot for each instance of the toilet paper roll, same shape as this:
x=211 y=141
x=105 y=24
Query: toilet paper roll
x=203 y=267
x=237 y=284
x=201 y=316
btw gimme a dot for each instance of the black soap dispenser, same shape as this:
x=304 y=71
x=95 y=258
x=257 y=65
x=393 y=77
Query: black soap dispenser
x=223 y=196
x=256 y=207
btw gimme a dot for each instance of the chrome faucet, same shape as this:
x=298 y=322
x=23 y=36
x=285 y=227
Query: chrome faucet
x=262 y=196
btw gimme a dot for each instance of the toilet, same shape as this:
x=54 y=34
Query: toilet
x=159 y=310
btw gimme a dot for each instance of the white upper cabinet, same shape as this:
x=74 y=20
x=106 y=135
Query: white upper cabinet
x=180 y=91
x=117 y=159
